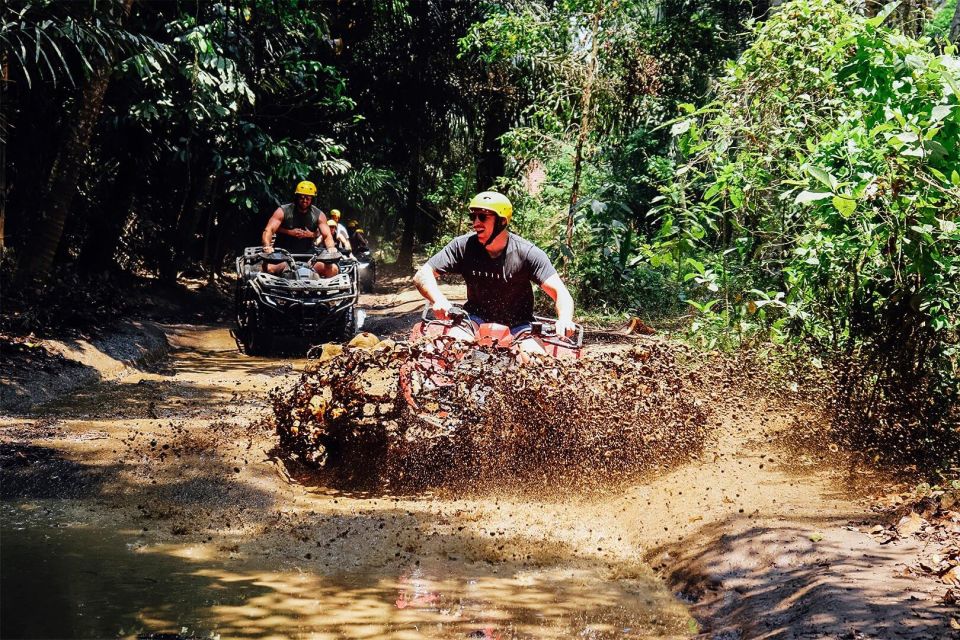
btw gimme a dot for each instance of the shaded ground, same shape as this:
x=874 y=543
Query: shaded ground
x=157 y=503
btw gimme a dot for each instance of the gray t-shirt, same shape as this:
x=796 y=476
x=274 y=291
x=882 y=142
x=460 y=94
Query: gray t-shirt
x=498 y=289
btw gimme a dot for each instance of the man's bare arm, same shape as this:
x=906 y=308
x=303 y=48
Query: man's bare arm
x=555 y=288
x=426 y=282
x=272 y=228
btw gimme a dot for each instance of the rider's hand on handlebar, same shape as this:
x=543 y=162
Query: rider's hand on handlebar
x=565 y=328
x=440 y=309
x=267 y=248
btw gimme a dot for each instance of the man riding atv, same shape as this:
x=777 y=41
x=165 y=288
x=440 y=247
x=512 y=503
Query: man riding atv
x=343 y=244
x=340 y=233
x=358 y=238
x=498 y=267
x=298 y=227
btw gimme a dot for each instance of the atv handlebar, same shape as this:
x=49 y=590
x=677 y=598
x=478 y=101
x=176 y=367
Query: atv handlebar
x=546 y=330
x=542 y=328
x=275 y=256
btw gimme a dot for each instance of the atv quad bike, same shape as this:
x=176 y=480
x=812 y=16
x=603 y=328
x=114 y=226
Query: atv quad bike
x=443 y=361
x=298 y=303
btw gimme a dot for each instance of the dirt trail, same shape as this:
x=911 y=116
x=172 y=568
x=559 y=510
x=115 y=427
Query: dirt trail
x=158 y=503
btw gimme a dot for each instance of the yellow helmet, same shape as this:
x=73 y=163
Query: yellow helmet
x=335 y=214
x=306 y=188
x=352 y=224
x=495 y=202
x=331 y=222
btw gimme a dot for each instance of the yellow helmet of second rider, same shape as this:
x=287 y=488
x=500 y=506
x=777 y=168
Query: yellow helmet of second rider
x=495 y=202
x=335 y=214
x=306 y=188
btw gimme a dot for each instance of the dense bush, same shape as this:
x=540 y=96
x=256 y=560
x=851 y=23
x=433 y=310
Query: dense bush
x=819 y=201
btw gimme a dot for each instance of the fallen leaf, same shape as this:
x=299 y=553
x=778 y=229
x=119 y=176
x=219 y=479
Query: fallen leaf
x=910 y=524
x=952 y=576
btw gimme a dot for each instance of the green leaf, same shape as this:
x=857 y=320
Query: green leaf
x=810 y=196
x=736 y=197
x=680 y=128
x=823 y=176
x=878 y=19
x=846 y=206
x=940 y=112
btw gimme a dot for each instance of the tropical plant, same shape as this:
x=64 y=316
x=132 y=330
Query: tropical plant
x=819 y=200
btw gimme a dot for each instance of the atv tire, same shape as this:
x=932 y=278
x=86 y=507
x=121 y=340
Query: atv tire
x=257 y=340
x=347 y=328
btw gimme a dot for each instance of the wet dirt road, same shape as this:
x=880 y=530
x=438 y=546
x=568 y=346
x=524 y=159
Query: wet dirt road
x=159 y=504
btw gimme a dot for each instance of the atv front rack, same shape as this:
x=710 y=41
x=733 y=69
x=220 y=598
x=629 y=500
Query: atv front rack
x=542 y=328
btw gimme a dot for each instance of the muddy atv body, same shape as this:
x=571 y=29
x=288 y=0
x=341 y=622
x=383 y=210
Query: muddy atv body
x=297 y=304
x=443 y=361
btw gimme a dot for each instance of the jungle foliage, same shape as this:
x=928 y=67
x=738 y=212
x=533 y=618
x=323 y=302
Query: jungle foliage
x=818 y=202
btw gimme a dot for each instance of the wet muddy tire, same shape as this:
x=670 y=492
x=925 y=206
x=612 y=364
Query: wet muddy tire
x=257 y=340
x=347 y=328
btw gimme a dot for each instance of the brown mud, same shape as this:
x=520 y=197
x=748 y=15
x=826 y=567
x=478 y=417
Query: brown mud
x=161 y=503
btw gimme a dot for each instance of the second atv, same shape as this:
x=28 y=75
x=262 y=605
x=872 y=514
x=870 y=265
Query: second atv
x=296 y=304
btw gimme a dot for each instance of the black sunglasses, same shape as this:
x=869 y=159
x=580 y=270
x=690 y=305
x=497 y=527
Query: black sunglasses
x=483 y=215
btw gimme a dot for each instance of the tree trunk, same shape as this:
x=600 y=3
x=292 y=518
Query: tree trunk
x=62 y=185
x=491 y=164
x=197 y=206
x=585 y=123
x=99 y=252
x=955 y=25
x=405 y=254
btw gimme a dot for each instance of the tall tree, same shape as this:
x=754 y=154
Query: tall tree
x=955 y=25
x=62 y=183
x=402 y=67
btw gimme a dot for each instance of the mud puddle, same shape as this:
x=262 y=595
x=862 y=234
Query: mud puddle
x=157 y=505
x=106 y=582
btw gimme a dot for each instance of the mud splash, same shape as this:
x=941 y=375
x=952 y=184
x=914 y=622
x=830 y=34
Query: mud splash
x=379 y=415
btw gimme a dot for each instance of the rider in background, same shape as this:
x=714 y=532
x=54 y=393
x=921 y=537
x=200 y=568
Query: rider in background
x=343 y=244
x=498 y=267
x=298 y=227
x=358 y=237
x=340 y=233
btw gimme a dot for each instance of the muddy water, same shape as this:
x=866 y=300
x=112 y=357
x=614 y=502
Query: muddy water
x=107 y=583
x=158 y=505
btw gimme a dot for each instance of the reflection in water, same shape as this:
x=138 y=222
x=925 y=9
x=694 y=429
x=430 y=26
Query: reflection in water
x=109 y=584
